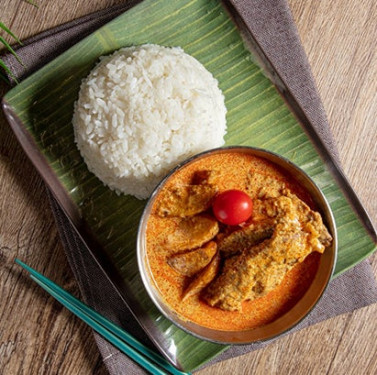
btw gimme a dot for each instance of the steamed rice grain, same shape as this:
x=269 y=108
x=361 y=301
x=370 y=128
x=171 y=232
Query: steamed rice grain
x=143 y=110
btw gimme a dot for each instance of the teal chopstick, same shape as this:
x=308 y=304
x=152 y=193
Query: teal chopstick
x=114 y=334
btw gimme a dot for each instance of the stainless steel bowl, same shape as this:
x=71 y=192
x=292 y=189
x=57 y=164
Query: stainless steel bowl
x=302 y=307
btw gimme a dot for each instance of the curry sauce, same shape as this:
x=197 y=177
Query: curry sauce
x=177 y=236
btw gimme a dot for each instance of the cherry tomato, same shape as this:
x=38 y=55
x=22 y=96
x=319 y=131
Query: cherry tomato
x=232 y=207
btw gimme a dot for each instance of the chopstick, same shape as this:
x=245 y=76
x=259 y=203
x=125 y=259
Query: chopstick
x=121 y=339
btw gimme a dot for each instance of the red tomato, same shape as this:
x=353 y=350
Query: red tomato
x=232 y=207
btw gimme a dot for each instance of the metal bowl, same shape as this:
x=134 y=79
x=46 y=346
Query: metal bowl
x=298 y=311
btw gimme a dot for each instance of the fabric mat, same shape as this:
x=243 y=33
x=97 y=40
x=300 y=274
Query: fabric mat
x=273 y=27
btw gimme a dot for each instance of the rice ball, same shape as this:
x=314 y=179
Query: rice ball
x=143 y=110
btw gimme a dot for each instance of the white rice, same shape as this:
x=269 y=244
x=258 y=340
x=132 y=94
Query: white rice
x=143 y=110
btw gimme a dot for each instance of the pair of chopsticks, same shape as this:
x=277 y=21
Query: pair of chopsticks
x=126 y=343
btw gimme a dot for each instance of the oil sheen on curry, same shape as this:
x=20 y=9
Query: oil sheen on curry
x=233 y=277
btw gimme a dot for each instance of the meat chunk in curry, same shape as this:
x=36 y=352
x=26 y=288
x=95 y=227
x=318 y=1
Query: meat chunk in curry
x=203 y=278
x=190 y=262
x=243 y=238
x=185 y=200
x=192 y=232
x=260 y=268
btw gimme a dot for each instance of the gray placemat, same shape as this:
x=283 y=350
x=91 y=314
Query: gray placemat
x=272 y=25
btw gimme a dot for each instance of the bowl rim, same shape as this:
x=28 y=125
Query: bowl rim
x=143 y=269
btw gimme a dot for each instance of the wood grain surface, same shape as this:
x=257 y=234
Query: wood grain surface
x=38 y=336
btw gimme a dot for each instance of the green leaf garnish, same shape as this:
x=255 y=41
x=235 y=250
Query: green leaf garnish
x=6 y=29
x=32 y=3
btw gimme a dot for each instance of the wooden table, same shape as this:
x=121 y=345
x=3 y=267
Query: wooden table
x=38 y=336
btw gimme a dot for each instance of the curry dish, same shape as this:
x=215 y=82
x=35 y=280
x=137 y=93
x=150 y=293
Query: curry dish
x=233 y=277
